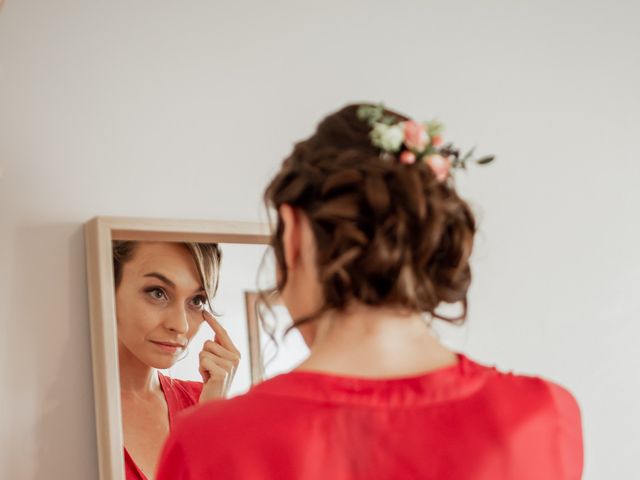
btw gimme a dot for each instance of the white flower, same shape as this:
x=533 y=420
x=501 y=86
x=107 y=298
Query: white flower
x=388 y=137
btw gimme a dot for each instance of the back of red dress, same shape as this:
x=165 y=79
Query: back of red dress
x=462 y=422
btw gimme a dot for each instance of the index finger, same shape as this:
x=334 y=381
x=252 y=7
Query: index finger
x=222 y=337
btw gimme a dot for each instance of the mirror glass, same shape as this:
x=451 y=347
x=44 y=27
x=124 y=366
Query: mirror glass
x=188 y=331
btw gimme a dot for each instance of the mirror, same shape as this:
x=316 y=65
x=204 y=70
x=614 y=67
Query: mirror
x=173 y=305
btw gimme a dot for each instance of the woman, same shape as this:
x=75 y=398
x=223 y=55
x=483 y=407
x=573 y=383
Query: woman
x=371 y=237
x=162 y=292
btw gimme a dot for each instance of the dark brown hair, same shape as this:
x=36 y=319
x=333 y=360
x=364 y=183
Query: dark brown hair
x=207 y=257
x=386 y=233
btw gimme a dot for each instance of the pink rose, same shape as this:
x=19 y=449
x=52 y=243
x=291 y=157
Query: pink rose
x=415 y=135
x=440 y=166
x=407 y=157
x=436 y=140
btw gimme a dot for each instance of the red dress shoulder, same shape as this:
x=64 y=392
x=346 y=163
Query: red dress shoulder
x=467 y=421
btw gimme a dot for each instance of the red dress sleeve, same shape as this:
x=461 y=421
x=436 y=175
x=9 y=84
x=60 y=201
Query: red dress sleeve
x=569 y=432
x=173 y=464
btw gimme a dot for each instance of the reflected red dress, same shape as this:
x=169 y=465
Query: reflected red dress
x=179 y=394
x=467 y=421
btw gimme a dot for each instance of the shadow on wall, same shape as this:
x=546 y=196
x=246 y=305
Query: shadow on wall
x=52 y=409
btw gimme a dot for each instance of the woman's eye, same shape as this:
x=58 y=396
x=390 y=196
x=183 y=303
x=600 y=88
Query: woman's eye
x=199 y=301
x=157 y=293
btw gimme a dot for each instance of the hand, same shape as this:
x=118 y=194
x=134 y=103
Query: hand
x=219 y=361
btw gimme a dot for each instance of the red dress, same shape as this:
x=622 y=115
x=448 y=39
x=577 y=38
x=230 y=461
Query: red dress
x=179 y=394
x=466 y=421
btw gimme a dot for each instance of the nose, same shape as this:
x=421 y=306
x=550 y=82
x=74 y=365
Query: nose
x=177 y=320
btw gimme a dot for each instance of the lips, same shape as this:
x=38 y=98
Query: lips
x=168 y=346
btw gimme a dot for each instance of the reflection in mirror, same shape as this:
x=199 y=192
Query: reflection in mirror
x=183 y=329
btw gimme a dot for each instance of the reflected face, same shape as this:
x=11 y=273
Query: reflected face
x=159 y=303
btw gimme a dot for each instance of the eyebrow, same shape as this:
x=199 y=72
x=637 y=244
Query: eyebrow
x=164 y=279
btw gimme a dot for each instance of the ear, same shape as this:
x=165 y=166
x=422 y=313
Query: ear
x=291 y=234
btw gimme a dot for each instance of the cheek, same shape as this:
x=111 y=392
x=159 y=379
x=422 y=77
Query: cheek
x=136 y=317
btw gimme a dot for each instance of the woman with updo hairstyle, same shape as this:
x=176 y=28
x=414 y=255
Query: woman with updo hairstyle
x=370 y=239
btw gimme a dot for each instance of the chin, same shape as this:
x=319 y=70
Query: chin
x=163 y=365
x=161 y=362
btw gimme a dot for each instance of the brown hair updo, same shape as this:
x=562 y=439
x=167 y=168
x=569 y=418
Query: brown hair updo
x=386 y=233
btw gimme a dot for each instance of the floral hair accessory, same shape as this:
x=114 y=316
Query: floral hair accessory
x=408 y=142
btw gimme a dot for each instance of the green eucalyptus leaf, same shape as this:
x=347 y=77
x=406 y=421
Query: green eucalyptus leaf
x=485 y=160
x=468 y=155
x=434 y=127
x=430 y=150
x=370 y=113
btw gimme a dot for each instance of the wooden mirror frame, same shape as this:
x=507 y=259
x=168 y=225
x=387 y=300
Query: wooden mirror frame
x=99 y=234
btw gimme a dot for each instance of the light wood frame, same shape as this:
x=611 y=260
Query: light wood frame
x=253 y=329
x=256 y=357
x=99 y=234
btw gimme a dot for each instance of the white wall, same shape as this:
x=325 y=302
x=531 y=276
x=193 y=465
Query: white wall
x=183 y=109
